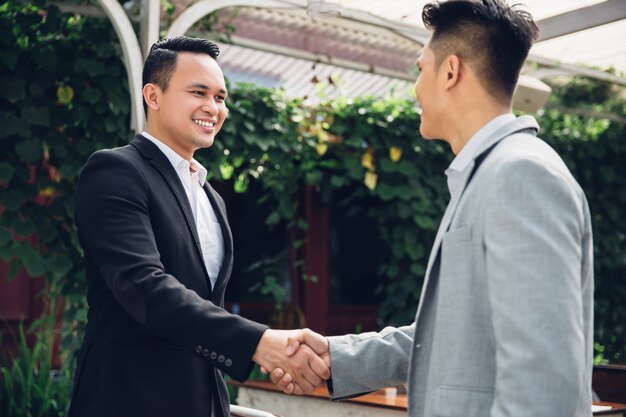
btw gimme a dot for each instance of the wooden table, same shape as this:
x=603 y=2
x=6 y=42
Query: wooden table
x=263 y=395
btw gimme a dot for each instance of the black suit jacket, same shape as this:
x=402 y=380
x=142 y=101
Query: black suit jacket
x=157 y=338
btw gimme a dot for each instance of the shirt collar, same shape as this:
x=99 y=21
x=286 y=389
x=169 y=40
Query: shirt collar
x=465 y=159
x=176 y=160
x=468 y=152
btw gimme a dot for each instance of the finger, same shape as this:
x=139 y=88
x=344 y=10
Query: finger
x=283 y=381
x=326 y=358
x=302 y=362
x=304 y=384
x=297 y=390
x=263 y=370
x=316 y=341
x=276 y=375
x=319 y=366
x=289 y=389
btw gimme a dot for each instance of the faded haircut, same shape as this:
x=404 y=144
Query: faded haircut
x=492 y=37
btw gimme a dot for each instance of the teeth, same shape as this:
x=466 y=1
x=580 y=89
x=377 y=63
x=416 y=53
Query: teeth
x=204 y=123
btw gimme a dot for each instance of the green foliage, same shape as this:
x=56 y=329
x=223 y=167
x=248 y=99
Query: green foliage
x=29 y=386
x=64 y=95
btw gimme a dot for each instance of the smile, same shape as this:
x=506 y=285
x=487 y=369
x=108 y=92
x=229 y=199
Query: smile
x=204 y=123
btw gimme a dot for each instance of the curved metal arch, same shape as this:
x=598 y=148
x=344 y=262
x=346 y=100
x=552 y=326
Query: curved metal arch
x=132 y=58
x=198 y=10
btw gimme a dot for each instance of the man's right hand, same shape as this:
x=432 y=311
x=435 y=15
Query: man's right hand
x=300 y=343
x=286 y=349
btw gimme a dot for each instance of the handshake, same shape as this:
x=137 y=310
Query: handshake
x=298 y=360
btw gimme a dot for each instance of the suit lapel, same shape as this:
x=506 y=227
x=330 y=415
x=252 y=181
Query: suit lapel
x=523 y=123
x=154 y=155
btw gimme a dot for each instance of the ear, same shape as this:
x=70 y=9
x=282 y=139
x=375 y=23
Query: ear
x=451 y=68
x=151 y=94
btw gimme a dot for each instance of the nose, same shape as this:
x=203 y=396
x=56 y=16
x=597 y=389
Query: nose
x=210 y=106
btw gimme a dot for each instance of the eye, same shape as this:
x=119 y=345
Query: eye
x=220 y=98
x=198 y=93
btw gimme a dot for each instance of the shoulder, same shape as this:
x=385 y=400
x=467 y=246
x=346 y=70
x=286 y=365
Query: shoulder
x=116 y=168
x=123 y=155
x=529 y=157
x=523 y=168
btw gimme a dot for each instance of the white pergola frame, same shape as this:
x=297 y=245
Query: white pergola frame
x=135 y=48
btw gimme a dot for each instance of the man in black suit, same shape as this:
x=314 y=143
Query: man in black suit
x=159 y=253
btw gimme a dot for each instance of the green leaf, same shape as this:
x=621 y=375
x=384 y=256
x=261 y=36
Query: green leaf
x=13 y=89
x=6 y=171
x=6 y=253
x=273 y=219
x=14 y=268
x=226 y=170
x=23 y=227
x=48 y=232
x=34 y=264
x=89 y=66
x=9 y=59
x=386 y=192
x=10 y=123
x=29 y=150
x=241 y=183
x=5 y=236
x=39 y=116
x=91 y=95
x=60 y=265
x=249 y=125
x=12 y=199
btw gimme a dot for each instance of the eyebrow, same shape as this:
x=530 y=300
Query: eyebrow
x=206 y=87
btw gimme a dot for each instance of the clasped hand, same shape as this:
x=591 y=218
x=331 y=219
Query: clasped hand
x=298 y=360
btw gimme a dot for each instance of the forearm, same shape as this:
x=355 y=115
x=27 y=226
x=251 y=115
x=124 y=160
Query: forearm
x=369 y=361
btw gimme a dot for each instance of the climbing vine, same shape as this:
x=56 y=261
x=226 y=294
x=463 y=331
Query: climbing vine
x=64 y=95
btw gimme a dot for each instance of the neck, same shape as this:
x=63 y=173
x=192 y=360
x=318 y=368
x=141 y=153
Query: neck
x=471 y=119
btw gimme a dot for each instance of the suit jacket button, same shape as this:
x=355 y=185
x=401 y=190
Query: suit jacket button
x=205 y=352
x=228 y=362
x=213 y=355
x=199 y=349
x=221 y=359
x=418 y=346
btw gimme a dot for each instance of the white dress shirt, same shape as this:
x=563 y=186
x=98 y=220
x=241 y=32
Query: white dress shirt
x=465 y=159
x=193 y=176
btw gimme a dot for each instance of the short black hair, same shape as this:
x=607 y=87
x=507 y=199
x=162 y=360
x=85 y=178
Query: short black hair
x=491 y=36
x=161 y=60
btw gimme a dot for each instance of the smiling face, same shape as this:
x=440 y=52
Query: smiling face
x=190 y=112
x=428 y=96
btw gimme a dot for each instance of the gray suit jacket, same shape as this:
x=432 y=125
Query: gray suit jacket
x=504 y=323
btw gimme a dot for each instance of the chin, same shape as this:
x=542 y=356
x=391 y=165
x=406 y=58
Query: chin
x=205 y=142
x=426 y=133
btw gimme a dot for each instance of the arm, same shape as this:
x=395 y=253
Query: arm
x=534 y=222
x=113 y=218
x=359 y=363
x=369 y=361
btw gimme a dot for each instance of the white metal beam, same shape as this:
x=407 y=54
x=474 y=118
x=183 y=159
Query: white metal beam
x=582 y=18
x=132 y=59
x=200 y=9
x=150 y=16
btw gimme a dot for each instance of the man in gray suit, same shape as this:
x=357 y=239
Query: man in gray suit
x=504 y=323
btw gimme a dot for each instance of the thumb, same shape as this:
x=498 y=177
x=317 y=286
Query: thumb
x=292 y=346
